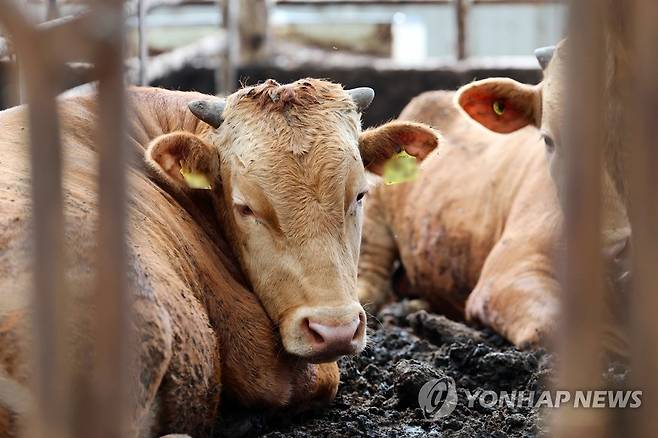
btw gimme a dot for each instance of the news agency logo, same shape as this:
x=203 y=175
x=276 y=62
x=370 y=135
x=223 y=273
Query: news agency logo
x=438 y=398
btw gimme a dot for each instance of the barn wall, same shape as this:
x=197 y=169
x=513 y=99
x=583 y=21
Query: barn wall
x=393 y=88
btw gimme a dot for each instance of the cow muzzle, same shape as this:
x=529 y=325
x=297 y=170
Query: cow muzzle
x=323 y=334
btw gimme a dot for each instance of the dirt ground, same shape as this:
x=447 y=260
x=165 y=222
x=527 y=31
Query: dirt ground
x=378 y=395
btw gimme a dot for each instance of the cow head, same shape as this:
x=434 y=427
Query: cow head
x=285 y=165
x=504 y=105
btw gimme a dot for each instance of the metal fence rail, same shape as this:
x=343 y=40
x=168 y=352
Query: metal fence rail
x=238 y=50
x=98 y=37
x=43 y=51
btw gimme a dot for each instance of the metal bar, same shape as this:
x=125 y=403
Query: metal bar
x=52 y=11
x=61 y=29
x=461 y=9
x=409 y=2
x=643 y=160
x=112 y=403
x=143 y=44
x=156 y=3
x=227 y=67
x=52 y=373
x=584 y=292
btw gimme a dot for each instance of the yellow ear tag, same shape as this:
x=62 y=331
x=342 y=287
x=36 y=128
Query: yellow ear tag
x=401 y=167
x=499 y=107
x=195 y=180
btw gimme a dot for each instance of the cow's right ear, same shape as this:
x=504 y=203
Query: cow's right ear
x=183 y=161
x=379 y=144
x=501 y=104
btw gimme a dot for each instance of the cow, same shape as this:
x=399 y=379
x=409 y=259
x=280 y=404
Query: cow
x=542 y=106
x=244 y=231
x=474 y=233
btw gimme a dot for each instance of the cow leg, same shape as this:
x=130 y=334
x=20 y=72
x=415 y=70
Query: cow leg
x=517 y=294
x=188 y=386
x=378 y=255
x=154 y=335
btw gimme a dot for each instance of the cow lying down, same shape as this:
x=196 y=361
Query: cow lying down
x=259 y=192
x=474 y=233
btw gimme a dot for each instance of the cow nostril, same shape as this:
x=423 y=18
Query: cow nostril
x=361 y=327
x=317 y=337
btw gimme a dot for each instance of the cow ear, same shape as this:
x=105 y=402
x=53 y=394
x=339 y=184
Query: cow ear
x=500 y=104
x=377 y=145
x=183 y=161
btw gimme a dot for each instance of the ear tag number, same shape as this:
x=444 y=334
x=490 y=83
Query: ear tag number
x=499 y=107
x=401 y=167
x=195 y=180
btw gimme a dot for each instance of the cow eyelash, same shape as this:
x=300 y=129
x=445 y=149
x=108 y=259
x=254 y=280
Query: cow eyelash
x=548 y=141
x=244 y=210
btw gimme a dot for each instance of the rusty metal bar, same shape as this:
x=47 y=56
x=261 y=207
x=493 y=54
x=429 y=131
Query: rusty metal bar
x=461 y=10
x=52 y=11
x=53 y=27
x=581 y=331
x=112 y=403
x=43 y=51
x=52 y=373
x=142 y=42
x=643 y=159
x=226 y=75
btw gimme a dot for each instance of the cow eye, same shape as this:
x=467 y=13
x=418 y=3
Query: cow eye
x=359 y=197
x=244 y=210
x=549 y=142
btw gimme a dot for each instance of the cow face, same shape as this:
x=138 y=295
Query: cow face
x=286 y=166
x=503 y=105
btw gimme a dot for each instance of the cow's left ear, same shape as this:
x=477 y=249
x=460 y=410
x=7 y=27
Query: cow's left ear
x=379 y=144
x=183 y=161
x=500 y=104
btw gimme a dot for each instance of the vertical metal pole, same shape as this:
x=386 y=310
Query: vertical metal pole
x=51 y=367
x=229 y=59
x=51 y=299
x=584 y=292
x=112 y=402
x=143 y=43
x=52 y=11
x=461 y=9
x=643 y=156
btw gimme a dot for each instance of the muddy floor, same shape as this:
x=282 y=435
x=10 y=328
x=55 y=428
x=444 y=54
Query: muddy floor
x=378 y=396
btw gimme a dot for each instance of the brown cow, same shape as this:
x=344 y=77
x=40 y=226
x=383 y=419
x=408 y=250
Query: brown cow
x=279 y=177
x=543 y=106
x=474 y=233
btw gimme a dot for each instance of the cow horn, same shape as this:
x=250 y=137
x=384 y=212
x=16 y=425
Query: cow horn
x=544 y=55
x=362 y=96
x=210 y=111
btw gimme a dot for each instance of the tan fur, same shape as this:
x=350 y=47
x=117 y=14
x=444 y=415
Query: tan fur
x=475 y=232
x=225 y=279
x=549 y=117
x=198 y=323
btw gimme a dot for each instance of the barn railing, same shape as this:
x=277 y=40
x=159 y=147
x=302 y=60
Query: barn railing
x=98 y=38
x=581 y=335
x=42 y=52
x=237 y=31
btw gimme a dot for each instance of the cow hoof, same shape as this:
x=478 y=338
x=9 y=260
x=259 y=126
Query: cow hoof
x=529 y=335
